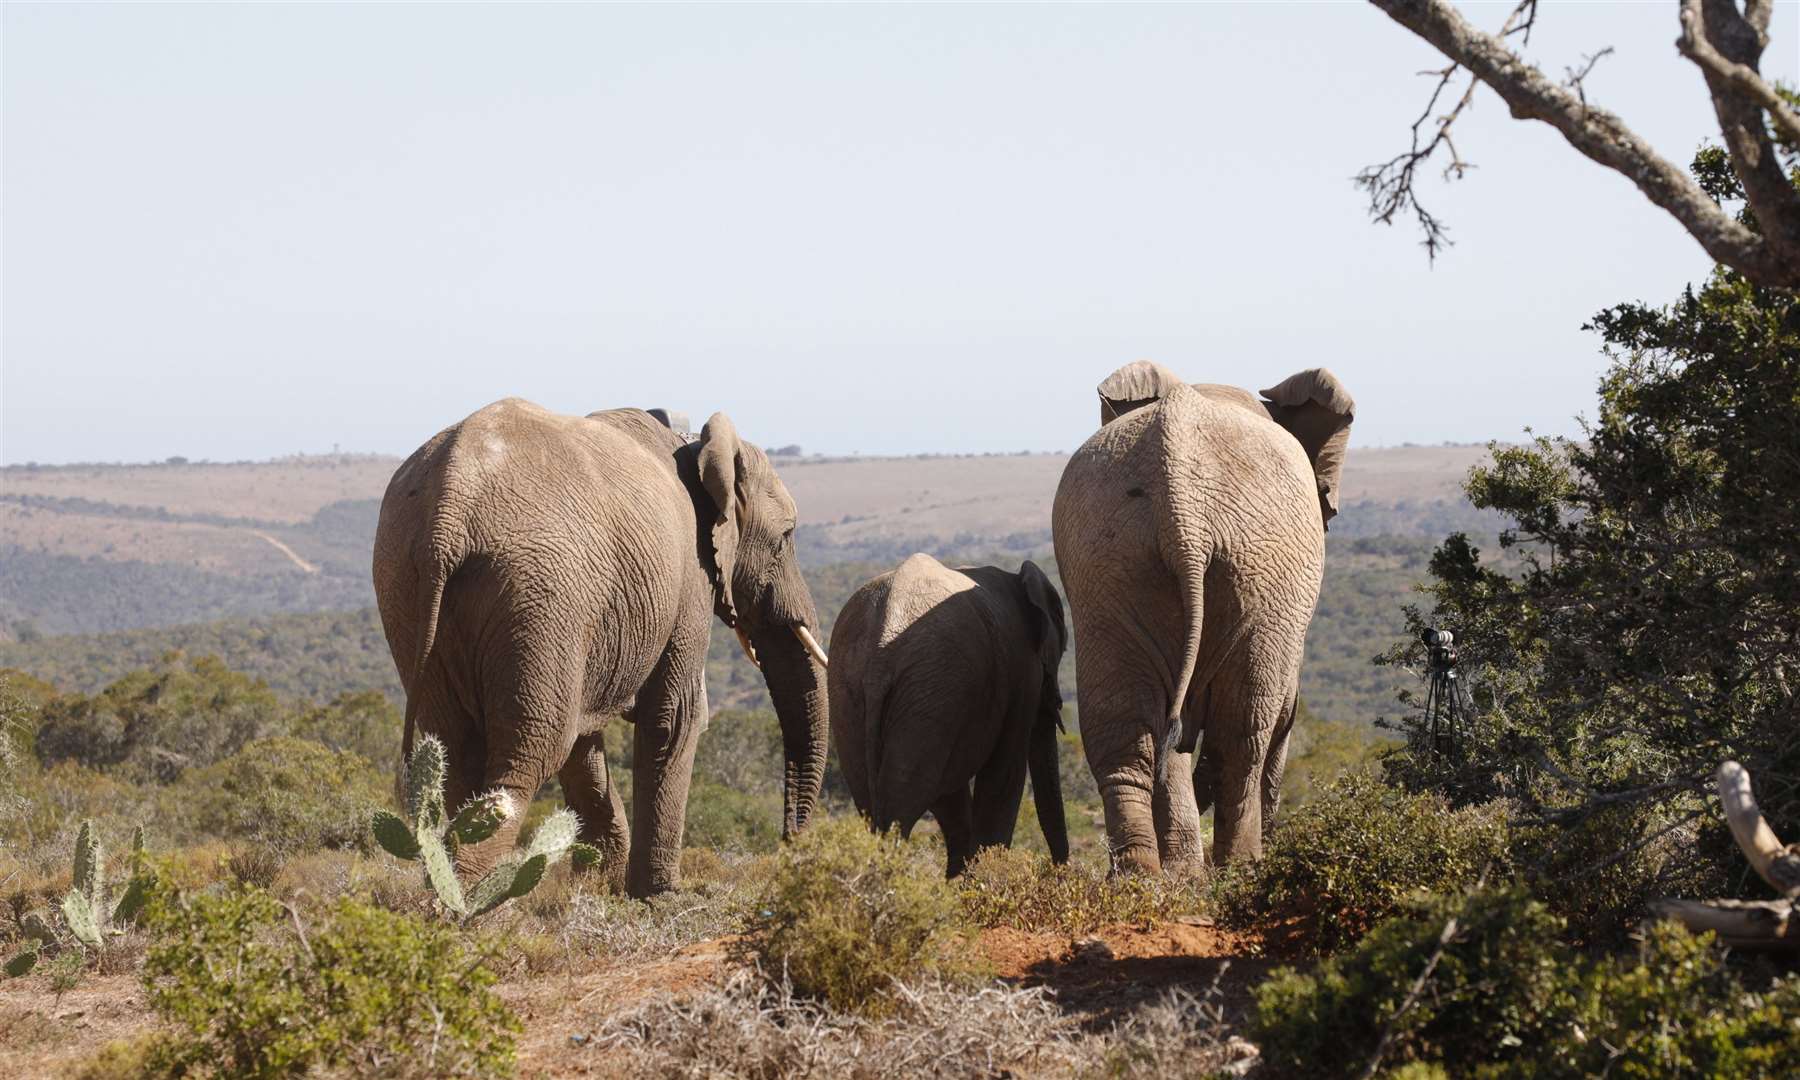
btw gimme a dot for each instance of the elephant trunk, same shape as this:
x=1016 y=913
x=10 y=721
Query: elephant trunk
x=1046 y=790
x=797 y=685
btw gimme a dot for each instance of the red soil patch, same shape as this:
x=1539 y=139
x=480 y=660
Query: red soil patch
x=1107 y=973
x=559 y=1012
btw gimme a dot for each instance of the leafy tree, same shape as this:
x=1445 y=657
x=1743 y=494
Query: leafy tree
x=1654 y=630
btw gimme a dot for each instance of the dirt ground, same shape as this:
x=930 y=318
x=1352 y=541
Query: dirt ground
x=1097 y=977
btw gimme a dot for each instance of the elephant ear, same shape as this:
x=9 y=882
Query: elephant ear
x=1318 y=411
x=720 y=464
x=1045 y=609
x=1134 y=386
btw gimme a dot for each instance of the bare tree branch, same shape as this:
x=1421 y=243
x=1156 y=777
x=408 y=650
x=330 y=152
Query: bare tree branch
x=1745 y=78
x=1770 y=257
x=1742 y=77
x=1576 y=79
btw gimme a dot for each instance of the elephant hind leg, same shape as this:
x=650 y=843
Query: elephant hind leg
x=1177 y=816
x=588 y=785
x=954 y=813
x=1275 y=765
x=999 y=791
x=1253 y=712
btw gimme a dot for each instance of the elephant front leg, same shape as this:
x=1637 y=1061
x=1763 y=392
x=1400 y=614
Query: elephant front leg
x=588 y=785
x=666 y=722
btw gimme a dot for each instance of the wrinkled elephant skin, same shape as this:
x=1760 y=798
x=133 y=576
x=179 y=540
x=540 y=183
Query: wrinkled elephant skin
x=1190 y=535
x=538 y=574
x=943 y=693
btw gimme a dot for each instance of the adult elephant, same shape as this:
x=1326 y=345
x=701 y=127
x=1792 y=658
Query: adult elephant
x=944 y=690
x=540 y=573
x=1190 y=534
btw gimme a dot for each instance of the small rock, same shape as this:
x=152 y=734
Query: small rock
x=1093 y=948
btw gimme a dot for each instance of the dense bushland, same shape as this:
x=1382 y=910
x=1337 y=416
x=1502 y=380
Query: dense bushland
x=1482 y=984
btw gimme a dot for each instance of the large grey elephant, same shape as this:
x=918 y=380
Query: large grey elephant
x=942 y=691
x=1190 y=534
x=540 y=573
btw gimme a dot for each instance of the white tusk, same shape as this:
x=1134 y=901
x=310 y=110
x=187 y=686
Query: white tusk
x=1774 y=863
x=812 y=645
x=749 y=649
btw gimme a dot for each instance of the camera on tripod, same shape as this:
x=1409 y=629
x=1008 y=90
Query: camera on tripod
x=1440 y=648
x=1446 y=712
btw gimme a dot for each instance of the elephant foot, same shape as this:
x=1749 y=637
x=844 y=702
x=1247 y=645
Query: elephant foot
x=610 y=870
x=1136 y=859
x=642 y=881
x=1185 y=867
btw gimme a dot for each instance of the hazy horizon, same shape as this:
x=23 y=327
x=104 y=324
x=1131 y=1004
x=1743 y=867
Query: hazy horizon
x=244 y=232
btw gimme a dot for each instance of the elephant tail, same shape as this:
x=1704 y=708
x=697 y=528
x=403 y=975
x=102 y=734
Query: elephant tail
x=442 y=556
x=435 y=583
x=875 y=695
x=1187 y=551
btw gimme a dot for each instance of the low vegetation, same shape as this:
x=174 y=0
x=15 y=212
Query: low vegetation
x=1482 y=984
x=430 y=835
x=848 y=916
x=1360 y=849
x=249 y=986
x=1004 y=887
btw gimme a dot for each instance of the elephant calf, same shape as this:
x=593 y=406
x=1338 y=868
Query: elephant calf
x=941 y=677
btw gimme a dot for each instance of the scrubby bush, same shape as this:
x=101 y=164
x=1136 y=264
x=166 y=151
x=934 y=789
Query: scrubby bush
x=728 y=819
x=1642 y=623
x=847 y=915
x=366 y=724
x=248 y=988
x=1351 y=856
x=1009 y=887
x=287 y=794
x=153 y=724
x=1496 y=981
x=1482 y=985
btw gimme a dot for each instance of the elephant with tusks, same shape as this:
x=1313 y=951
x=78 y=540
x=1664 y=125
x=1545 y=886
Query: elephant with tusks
x=538 y=574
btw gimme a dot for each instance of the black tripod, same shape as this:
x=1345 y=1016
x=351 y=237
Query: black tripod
x=1445 y=708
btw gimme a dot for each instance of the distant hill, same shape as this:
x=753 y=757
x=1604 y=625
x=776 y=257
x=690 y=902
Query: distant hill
x=105 y=567
x=93 y=548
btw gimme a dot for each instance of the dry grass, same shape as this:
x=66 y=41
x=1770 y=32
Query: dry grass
x=753 y=1028
x=1027 y=891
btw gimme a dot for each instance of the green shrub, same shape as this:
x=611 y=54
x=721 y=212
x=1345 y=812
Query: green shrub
x=289 y=794
x=245 y=992
x=1349 y=858
x=366 y=724
x=1502 y=997
x=1497 y=980
x=151 y=725
x=1675 y=1009
x=728 y=819
x=847 y=914
x=1009 y=887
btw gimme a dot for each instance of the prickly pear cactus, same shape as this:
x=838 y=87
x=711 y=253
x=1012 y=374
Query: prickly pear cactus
x=81 y=906
x=84 y=905
x=21 y=962
x=432 y=839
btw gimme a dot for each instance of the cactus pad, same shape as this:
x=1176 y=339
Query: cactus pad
x=394 y=835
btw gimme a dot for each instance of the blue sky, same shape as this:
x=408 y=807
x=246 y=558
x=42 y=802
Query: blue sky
x=242 y=231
